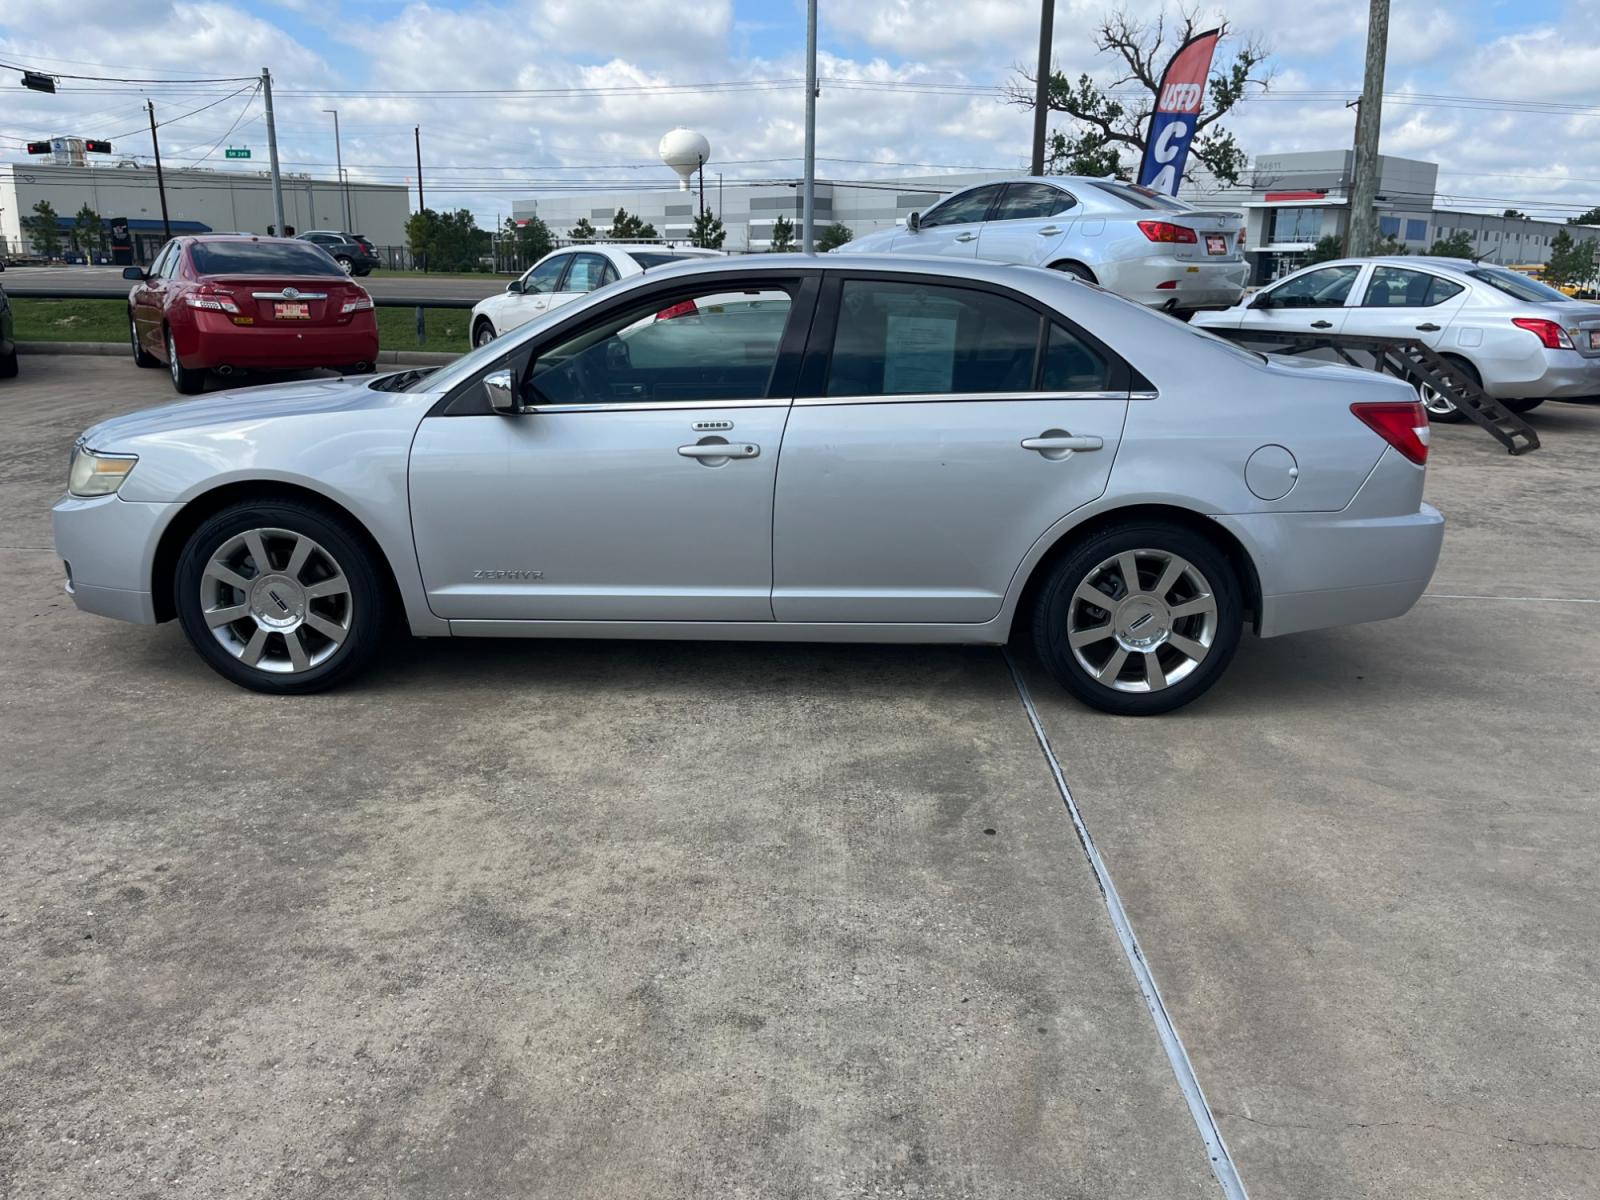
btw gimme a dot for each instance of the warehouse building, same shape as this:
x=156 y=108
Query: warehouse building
x=198 y=201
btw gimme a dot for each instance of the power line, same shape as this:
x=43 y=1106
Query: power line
x=249 y=100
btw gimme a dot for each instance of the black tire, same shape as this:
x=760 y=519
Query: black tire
x=345 y=263
x=188 y=381
x=1154 y=544
x=1453 y=416
x=483 y=332
x=364 y=607
x=1525 y=405
x=141 y=356
x=363 y=272
x=1075 y=269
x=8 y=365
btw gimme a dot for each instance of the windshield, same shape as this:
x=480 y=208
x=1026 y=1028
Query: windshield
x=262 y=258
x=1135 y=196
x=1517 y=286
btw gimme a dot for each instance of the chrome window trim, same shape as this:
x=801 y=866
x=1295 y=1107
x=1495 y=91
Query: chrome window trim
x=1150 y=394
x=655 y=406
x=962 y=397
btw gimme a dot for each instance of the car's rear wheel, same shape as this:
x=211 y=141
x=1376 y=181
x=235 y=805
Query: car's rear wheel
x=1440 y=407
x=141 y=356
x=8 y=365
x=482 y=333
x=1076 y=269
x=281 y=597
x=1524 y=405
x=188 y=381
x=1140 y=619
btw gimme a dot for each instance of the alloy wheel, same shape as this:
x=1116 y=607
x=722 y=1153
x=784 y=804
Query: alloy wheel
x=173 y=364
x=1435 y=401
x=133 y=338
x=485 y=335
x=276 y=600
x=1142 y=620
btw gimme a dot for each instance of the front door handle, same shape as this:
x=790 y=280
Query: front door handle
x=1322 y=324
x=1054 y=444
x=1430 y=327
x=966 y=237
x=705 y=450
x=1049 y=231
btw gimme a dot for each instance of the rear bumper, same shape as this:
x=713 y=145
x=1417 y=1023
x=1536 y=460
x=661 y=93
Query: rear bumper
x=215 y=341
x=1566 y=374
x=1196 y=283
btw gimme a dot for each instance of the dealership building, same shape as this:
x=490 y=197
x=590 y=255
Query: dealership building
x=1289 y=201
x=198 y=201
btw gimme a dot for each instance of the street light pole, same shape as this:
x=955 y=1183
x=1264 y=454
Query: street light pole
x=338 y=158
x=808 y=208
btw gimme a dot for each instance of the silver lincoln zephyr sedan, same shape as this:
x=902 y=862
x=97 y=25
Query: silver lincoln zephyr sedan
x=777 y=447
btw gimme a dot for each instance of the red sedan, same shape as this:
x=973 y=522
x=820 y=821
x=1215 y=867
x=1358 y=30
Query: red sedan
x=229 y=304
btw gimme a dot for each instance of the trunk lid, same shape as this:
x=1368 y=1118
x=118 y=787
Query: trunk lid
x=288 y=301
x=1209 y=225
x=1581 y=320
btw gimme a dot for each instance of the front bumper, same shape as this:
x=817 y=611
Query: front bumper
x=109 y=546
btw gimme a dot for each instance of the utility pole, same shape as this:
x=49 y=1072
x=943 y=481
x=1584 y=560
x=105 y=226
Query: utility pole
x=338 y=160
x=272 y=151
x=1362 y=236
x=161 y=183
x=808 y=207
x=417 y=133
x=1041 y=85
x=702 y=187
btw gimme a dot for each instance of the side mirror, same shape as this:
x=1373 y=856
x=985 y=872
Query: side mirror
x=1264 y=300
x=501 y=390
x=134 y=273
x=514 y=287
x=914 y=222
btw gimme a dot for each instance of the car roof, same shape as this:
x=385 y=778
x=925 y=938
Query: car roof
x=1433 y=262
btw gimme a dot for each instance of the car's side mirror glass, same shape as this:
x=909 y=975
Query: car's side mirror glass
x=514 y=287
x=135 y=273
x=1264 y=300
x=914 y=222
x=500 y=388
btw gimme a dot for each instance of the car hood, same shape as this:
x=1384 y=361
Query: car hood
x=247 y=406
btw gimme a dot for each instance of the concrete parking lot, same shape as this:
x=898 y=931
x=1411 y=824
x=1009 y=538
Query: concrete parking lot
x=676 y=920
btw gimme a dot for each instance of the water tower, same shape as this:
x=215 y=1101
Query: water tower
x=684 y=151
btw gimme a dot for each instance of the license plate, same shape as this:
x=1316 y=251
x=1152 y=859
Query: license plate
x=1594 y=339
x=1216 y=244
x=291 y=312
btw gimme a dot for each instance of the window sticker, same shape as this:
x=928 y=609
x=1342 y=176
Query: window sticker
x=920 y=354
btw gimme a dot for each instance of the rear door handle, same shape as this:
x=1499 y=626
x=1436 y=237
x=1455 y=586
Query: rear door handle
x=1063 y=442
x=966 y=237
x=1322 y=324
x=720 y=450
x=1430 y=327
x=1049 y=231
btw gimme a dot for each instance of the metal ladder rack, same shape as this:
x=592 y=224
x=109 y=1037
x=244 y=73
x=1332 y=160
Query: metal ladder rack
x=1413 y=361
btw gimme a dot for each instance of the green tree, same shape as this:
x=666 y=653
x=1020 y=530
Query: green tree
x=1592 y=217
x=42 y=229
x=1105 y=120
x=1570 y=262
x=707 y=232
x=1327 y=249
x=88 y=231
x=833 y=236
x=1512 y=213
x=446 y=241
x=1391 y=245
x=583 y=231
x=782 y=235
x=1457 y=245
x=625 y=227
x=529 y=241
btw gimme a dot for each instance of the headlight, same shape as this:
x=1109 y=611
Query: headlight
x=94 y=474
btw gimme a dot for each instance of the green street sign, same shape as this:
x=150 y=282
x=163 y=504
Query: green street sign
x=231 y=153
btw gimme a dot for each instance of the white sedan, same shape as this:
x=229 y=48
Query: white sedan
x=564 y=275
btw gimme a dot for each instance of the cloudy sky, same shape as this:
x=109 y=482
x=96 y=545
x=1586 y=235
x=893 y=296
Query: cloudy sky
x=1499 y=86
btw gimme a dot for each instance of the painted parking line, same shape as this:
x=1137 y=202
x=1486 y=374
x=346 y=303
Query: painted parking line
x=1222 y=1165
x=1520 y=599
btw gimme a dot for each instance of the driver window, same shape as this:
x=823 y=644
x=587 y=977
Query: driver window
x=698 y=345
x=962 y=209
x=170 y=267
x=1326 y=287
x=544 y=278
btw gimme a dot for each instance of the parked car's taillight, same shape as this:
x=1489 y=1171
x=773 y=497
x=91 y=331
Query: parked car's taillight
x=1166 y=231
x=358 y=303
x=1403 y=425
x=210 y=298
x=1548 y=332
x=684 y=308
x=1241 y=236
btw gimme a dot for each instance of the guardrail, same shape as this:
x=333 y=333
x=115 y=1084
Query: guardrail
x=421 y=304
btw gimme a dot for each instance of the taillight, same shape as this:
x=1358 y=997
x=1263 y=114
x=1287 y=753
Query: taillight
x=1549 y=333
x=359 y=303
x=684 y=308
x=217 y=301
x=1166 y=231
x=1240 y=238
x=1403 y=424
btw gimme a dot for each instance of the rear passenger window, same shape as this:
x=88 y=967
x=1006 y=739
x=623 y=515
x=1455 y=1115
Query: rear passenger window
x=1071 y=365
x=911 y=339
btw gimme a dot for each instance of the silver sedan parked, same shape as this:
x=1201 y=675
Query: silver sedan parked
x=1525 y=342
x=777 y=448
x=1139 y=243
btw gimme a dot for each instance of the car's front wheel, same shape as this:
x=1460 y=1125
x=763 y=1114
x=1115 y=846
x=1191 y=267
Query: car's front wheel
x=1140 y=619
x=281 y=597
x=188 y=381
x=482 y=333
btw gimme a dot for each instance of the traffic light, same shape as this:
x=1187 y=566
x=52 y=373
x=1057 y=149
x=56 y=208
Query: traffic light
x=38 y=82
x=39 y=148
x=94 y=147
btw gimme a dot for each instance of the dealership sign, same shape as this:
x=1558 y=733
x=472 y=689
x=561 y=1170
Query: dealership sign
x=1177 y=112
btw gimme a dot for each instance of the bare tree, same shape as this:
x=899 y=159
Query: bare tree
x=1112 y=117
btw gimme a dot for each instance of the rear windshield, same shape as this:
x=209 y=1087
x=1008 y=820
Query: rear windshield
x=262 y=258
x=652 y=258
x=1141 y=197
x=1515 y=285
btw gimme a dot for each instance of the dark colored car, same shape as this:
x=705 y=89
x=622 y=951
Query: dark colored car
x=351 y=251
x=229 y=304
x=8 y=342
